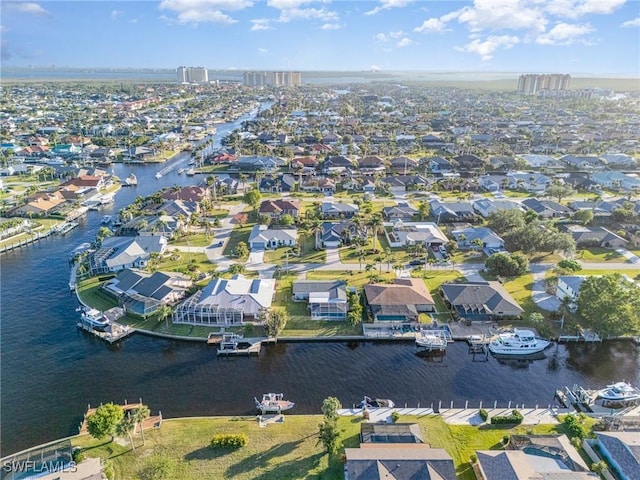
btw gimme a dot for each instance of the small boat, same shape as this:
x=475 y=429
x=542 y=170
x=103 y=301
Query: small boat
x=191 y=172
x=94 y=318
x=181 y=171
x=235 y=344
x=273 y=403
x=131 y=180
x=431 y=342
x=619 y=392
x=158 y=175
x=106 y=219
x=376 y=403
x=66 y=227
x=518 y=342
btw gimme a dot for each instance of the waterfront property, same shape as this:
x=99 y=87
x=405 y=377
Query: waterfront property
x=401 y=301
x=118 y=253
x=481 y=301
x=621 y=450
x=227 y=302
x=142 y=293
x=327 y=300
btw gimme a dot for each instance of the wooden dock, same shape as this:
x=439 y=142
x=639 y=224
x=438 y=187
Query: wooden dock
x=154 y=421
x=111 y=334
x=236 y=345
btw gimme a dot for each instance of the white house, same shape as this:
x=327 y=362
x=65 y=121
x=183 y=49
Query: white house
x=469 y=237
x=569 y=286
x=264 y=237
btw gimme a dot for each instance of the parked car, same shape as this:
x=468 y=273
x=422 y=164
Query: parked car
x=416 y=262
x=219 y=244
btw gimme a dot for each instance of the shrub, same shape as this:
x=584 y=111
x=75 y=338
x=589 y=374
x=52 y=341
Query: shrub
x=483 y=414
x=78 y=455
x=505 y=439
x=574 y=427
x=514 y=418
x=395 y=416
x=229 y=440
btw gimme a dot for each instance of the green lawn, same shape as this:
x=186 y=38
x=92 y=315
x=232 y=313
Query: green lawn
x=308 y=253
x=180 y=262
x=194 y=240
x=353 y=278
x=287 y=450
x=238 y=234
x=599 y=255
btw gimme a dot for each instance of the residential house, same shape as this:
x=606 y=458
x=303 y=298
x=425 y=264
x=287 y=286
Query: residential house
x=478 y=238
x=528 y=181
x=400 y=184
x=282 y=183
x=89 y=181
x=469 y=162
x=142 y=293
x=371 y=164
x=313 y=184
x=327 y=300
x=117 y=253
x=486 y=206
x=138 y=154
x=594 y=236
x=401 y=211
x=396 y=433
x=337 y=164
x=493 y=182
x=569 y=286
x=39 y=204
x=480 y=301
x=619 y=160
x=177 y=208
x=448 y=212
x=546 y=208
x=621 y=450
x=541 y=161
x=585 y=162
x=276 y=209
x=267 y=163
x=616 y=181
x=401 y=301
x=529 y=457
x=439 y=165
x=263 y=237
x=335 y=210
x=191 y=193
x=336 y=234
x=414 y=233
x=397 y=462
x=403 y=164
x=305 y=164
x=227 y=302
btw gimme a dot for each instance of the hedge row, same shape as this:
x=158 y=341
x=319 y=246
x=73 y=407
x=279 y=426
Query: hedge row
x=483 y=414
x=514 y=418
x=229 y=440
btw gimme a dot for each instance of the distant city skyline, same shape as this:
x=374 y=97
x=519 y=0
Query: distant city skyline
x=526 y=36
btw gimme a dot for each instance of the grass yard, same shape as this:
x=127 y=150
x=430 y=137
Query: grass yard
x=287 y=450
x=193 y=240
x=353 y=278
x=599 y=255
x=308 y=253
x=91 y=293
x=238 y=234
x=180 y=262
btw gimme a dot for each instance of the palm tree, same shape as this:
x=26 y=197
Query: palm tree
x=375 y=223
x=139 y=415
x=125 y=428
x=370 y=268
x=164 y=312
x=361 y=256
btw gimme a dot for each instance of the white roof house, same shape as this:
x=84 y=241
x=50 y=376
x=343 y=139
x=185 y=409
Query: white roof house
x=262 y=237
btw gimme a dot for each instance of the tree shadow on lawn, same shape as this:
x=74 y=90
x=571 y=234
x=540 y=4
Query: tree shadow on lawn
x=291 y=469
x=208 y=453
x=262 y=459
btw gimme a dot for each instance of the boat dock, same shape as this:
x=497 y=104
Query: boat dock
x=114 y=331
x=154 y=421
x=232 y=344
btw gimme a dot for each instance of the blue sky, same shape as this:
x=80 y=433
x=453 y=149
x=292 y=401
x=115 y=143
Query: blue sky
x=555 y=36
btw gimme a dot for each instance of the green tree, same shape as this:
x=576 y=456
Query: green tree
x=569 y=265
x=502 y=221
x=103 y=232
x=241 y=250
x=610 y=304
x=585 y=217
x=139 y=415
x=253 y=197
x=375 y=223
x=329 y=436
x=423 y=210
x=104 y=420
x=164 y=313
x=125 y=429
x=504 y=265
x=330 y=407
x=275 y=322
x=287 y=220
x=559 y=191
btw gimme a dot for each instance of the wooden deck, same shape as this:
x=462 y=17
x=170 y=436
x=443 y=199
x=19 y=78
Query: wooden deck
x=154 y=421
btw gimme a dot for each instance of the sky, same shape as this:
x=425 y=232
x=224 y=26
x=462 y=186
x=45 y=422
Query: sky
x=539 y=36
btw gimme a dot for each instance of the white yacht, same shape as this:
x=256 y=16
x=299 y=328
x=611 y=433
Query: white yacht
x=94 y=318
x=518 y=342
x=619 y=392
x=131 y=180
x=107 y=219
x=158 y=175
x=273 y=403
x=376 y=403
x=431 y=342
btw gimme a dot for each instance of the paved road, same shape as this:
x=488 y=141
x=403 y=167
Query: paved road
x=540 y=297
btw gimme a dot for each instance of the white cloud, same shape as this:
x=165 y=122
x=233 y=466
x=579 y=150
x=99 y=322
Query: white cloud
x=632 y=23
x=263 y=51
x=291 y=14
x=204 y=11
x=261 y=24
x=286 y=4
x=565 y=34
x=115 y=14
x=432 y=25
x=503 y=15
x=331 y=26
x=578 y=8
x=382 y=37
x=404 y=42
x=387 y=37
x=385 y=4
x=487 y=47
x=28 y=7
x=374 y=68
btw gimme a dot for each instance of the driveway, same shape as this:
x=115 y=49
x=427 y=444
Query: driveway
x=632 y=257
x=256 y=257
x=541 y=298
x=333 y=256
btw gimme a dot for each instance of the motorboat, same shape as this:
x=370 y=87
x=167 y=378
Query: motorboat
x=94 y=318
x=431 y=342
x=131 y=180
x=619 y=392
x=518 y=342
x=158 y=175
x=181 y=171
x=367 y=402
x=273 y=403
x=106 y=219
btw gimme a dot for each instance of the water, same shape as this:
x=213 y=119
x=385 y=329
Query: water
x=51 y=370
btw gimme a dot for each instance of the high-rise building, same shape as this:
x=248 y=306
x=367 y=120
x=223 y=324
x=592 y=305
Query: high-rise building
x=531 y=84
x=192 y=75
x=272 y=79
